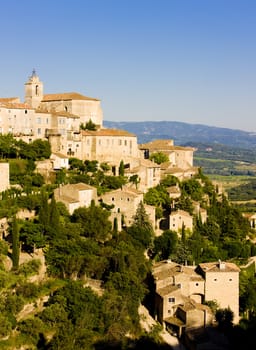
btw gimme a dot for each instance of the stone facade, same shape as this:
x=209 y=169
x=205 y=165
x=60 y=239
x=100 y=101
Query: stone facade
x=5 y=176
x=125 y=202
x=222 y=284
x=181 y=290
x=149 y=173
x=75 y=196
x=179 y=219
x=180 y=157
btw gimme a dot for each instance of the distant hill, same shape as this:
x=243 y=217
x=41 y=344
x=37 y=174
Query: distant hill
x=185 y=133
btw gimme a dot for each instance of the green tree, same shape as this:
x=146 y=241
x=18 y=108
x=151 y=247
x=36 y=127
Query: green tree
x=94 y=222
x=165 y=245
x=15 y=244
x=121 y=168
x=159 y=157
x=31 y=236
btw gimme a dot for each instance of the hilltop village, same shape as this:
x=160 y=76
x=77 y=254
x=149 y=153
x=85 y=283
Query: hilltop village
x=92 y=205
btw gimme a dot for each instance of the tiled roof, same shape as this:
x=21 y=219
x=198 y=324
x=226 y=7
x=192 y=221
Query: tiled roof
x=66 y=199
x=107 y=132
x=59 y=155
x=173 y=189
x=163 y=145
x=215 y=267
x=66 y=96
x=9 y=99
x=167 y=290
x=13 y=105
x=180 y=212
x=79 y=186
x=130 y=191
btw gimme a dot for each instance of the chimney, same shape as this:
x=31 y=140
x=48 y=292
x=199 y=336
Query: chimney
x=222 y=265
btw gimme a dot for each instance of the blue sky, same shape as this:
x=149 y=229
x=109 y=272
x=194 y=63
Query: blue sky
x=182 y=60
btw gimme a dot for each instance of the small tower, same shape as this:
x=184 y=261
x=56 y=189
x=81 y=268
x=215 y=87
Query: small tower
x=33 y=90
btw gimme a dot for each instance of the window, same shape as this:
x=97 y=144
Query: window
x=230 y=279
x=26 y=112
x=171 y=300
x=179 y=285
x=119 y=142
x=197 y=284
x=38 y=120
x=215 y=279
x=39 y=131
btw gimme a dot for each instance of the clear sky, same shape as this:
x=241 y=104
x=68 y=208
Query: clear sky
x=181 y=60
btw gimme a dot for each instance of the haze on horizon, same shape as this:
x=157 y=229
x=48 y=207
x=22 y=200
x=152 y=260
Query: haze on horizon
x=191 y=61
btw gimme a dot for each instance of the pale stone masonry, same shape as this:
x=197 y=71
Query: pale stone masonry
x=181 y=290
x=74 y=196
x=5 y=175
x=60 y=118
x=222 y=284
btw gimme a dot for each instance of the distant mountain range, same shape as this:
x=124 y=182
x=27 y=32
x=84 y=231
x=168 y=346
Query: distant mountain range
x=185 y=133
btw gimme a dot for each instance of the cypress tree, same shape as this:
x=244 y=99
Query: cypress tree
x=15 y=244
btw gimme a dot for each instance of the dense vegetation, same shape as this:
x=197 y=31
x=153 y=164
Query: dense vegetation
x=98 y=277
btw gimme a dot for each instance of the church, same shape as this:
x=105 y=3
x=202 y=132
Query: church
x=60 y=118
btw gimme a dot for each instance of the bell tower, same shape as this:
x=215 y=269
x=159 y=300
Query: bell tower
x=33 y=90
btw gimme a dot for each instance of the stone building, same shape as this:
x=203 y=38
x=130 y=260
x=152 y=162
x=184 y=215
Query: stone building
x=222 y=284
x=179 y=219
x=148 y=172
x=180 y=157
x=181 y=290
x=125 y=203
x=74 y=196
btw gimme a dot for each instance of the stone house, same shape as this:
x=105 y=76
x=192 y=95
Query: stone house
x=148 y=172
x=179 y=219
x=181 y=290
x=180 y=157
x=75 y=196
x=125 y=202
x=59 y=161
x=222 y=284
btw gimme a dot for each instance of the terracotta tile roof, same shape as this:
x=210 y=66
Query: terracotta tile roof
x=67 y=96
x=130 y=191
x=166 y=270
x=107 y=132
x=9 y=99
x=66 y=199
x=59 y=155
x=167 y=290
x=190 y=305
x=12 y=105
x=215 y=267
x=149 y=164
x=163 y=145
x=173 y=189
x=174 y=321
x=79 y=186
x=180 y=212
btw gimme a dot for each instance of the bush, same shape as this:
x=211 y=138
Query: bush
x=30 y=268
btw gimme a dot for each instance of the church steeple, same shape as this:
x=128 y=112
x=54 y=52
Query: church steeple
x=33 y=90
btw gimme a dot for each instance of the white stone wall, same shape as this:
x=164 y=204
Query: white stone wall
x=5 y=176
